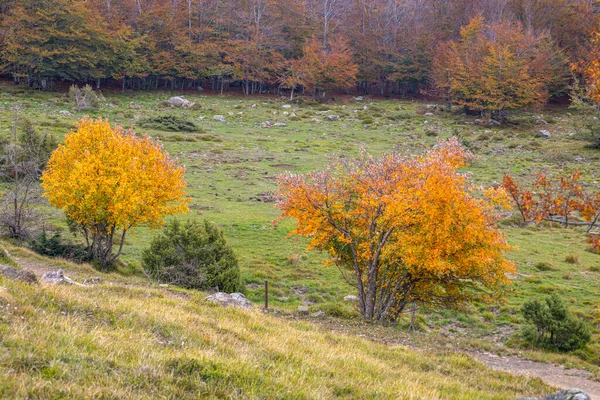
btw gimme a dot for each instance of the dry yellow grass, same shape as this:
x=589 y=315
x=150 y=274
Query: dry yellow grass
x=120 y=339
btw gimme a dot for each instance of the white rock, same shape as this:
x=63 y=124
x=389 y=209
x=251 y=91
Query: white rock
x=544 y=134
x=234 y=299
x=286 y=106
x=350 y=297
x=219 y=118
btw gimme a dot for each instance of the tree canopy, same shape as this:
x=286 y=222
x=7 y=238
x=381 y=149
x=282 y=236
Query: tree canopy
x=403 y=230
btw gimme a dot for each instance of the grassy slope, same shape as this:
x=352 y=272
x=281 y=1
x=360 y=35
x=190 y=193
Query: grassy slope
x=230 y=165
x=123 y=339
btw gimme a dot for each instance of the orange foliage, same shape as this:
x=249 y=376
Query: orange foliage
x=107 y=180
x=402 y=230
x=496 y=68
x=557 y=201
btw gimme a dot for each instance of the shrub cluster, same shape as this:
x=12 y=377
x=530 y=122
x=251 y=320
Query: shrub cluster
x=552 y=326
x=169 y=123
x=194 y=255
x=57 y=246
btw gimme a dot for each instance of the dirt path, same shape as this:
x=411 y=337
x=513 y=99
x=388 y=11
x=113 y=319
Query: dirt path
x=551 y=374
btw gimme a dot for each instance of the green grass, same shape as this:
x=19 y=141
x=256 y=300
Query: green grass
x=125 y=339
x=231 y=170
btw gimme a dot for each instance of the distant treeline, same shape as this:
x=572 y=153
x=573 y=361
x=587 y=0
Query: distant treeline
x=384 y=47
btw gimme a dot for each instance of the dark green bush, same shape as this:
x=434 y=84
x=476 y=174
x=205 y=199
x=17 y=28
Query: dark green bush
x=170 y=123
x=194 y=255
x=57 y=246
x=552 y=326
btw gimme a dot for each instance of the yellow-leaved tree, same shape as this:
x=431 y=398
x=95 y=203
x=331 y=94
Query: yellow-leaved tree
x=403 y=230
x=108 y=181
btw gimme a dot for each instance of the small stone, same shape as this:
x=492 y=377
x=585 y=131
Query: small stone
x=314 y=120
x=219 y=118
x=92 y=281
x=280 y=124
x=359 y=98
x=293 y=114
x=544 y=134
x=333 y=118
x=350 y=297
x=286 y=106
x=286 y=113
x=65 y=113
x=303 y=310
x=253 y=106
x=429 y=114
x=318 y=314
x=230 y=113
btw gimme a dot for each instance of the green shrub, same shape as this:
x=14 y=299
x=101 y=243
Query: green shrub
x=56 y=246
x=544 y=266
x=551 y=325
x=194 y=255
x=85 y=97
x=169 y=122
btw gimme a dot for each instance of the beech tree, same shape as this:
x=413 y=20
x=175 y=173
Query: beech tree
x=109 y=181
x=402 y=230
x=495 y=68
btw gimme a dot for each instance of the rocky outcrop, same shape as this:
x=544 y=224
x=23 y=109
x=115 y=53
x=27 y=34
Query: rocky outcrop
x=237 y=300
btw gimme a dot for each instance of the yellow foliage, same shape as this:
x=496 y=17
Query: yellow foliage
x=107 y=179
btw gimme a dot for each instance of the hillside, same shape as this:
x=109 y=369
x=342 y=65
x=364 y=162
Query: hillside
x=231 y=168
x=122 y=338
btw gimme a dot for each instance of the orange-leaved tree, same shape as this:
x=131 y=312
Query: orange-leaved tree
x=403 y=230
x=563 y=200
x=495 y=68
x=108 y=181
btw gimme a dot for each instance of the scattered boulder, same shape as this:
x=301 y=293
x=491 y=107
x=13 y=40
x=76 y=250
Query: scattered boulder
x=134 y=105
x=429 y=114
x=303 y=310
x=293 y=114
x=493 y=122
x=318 y=314
x=359 y=98
x=280 y=124
x=539 y=120
x=333 y=117
x=430 y=106
x=569 y=394
x=58 y=278
x=314 y=120
x=179 y=101
x=544 y=134
x=219 y=118
x=351 y=297
x=65 y=113
x=17 y=274
x=236 y=300
x=253 y=106
x=286 y=106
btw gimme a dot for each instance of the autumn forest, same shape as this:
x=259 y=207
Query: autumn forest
x=385 y=47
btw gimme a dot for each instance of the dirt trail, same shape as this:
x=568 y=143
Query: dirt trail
x=551 y=374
